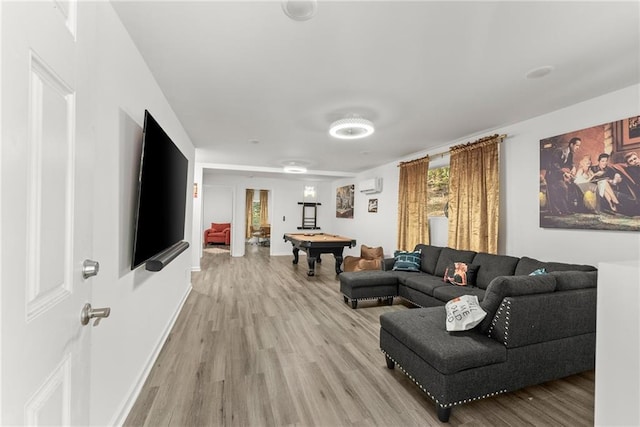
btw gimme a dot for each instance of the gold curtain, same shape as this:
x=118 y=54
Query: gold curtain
x=413 y=224
x=474 y=195
x=264 y=207
x=247 y=211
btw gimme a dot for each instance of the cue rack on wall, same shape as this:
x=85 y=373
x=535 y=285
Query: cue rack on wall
x=309 y=215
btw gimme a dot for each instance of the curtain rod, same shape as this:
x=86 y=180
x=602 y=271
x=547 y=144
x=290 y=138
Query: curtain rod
x=442 y=153
x=408 y=162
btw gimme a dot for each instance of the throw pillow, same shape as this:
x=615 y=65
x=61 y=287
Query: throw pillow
x=463 y=313
x=368 y=252
x=406 y=261
x=461 y=274
x=538 y=272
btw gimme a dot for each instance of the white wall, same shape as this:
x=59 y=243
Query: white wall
x=143 y=304
x=217 y=202
x=369 y=228
x=519 y=217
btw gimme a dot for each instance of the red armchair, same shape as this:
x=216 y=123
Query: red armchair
x=218 y=233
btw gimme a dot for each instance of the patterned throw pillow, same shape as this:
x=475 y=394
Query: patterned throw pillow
x=461 y=274
x=406 y=261
x=538 y=272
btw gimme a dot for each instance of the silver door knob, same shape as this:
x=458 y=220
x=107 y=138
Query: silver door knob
x=89 y=313
x=90 y=268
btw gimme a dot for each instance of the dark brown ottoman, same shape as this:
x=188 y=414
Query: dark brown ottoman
x=370 y=284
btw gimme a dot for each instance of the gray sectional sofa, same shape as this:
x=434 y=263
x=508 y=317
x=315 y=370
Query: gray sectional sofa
x=537 y=328
x=427 y=288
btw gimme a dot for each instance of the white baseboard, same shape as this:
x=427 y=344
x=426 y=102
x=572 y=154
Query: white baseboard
x=128 y=403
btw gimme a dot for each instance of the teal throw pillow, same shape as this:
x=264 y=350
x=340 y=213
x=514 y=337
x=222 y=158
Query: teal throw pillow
x=406 y=261
x=538 y=272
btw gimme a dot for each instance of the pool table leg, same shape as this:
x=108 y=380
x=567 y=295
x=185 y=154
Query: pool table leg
x=338 y=263
x=295 y=255
x=312 y=265
x=339 y=260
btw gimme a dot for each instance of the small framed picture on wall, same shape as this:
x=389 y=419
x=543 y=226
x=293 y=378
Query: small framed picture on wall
x=373 y=205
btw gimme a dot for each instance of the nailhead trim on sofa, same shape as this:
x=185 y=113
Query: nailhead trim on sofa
x=446 y=405
x=368 y=298
x=505 y=306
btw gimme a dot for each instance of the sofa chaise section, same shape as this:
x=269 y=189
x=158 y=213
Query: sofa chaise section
x=537 y=328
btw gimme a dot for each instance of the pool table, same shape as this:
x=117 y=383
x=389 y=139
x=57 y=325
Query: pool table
x=315 y=244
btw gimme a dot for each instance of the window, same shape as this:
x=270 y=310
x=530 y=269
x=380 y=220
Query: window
x=438 y=190
x=255 y=214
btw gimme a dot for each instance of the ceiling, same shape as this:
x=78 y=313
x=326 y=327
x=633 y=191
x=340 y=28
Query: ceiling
x=255 y=89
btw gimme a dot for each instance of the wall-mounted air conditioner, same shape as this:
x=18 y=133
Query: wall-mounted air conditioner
x=371 y=186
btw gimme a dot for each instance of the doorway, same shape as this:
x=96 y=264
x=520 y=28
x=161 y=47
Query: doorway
x=257 y=214
x=217 y=218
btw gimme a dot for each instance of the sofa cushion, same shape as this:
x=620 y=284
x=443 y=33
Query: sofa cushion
x=368 y=284
x=220 y=227
x=492 y=266
x=424 y=283
x=358 y=279
x=507 y=286
x=423 y=330
x=387 y=264
x=449 y=292
x=448 y=255
x=570 y=280
x=406 y=261
x=532 y=319
x=461 y=274
x=402 y=276
x=526 y=265
x=428 y=257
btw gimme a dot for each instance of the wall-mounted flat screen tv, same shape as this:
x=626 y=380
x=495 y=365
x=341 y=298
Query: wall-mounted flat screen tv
x=162 y=194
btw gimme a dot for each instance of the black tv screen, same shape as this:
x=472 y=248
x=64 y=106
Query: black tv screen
x=162 y=184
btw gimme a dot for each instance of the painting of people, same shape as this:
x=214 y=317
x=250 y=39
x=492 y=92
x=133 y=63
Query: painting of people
x=590 y=178
x=344 y=201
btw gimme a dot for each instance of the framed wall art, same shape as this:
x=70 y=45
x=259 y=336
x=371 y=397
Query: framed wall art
x=590 y=178
x=628 y=133
x=344 y=201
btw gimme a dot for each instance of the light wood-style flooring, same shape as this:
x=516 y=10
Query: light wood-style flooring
x=258 y=343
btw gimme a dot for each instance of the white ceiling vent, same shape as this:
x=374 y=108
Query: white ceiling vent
x=371 y=186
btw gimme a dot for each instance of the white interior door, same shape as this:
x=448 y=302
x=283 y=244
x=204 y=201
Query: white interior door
x=46 y=221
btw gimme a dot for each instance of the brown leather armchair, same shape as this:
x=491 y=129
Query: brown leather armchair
x=369 y=259
x=218 y=233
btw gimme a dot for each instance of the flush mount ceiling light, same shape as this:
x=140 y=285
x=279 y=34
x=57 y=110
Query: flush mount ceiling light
x=351 y=128
x=295 y=169
x=291 y=166
x=539 y=72
x=300 y=10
